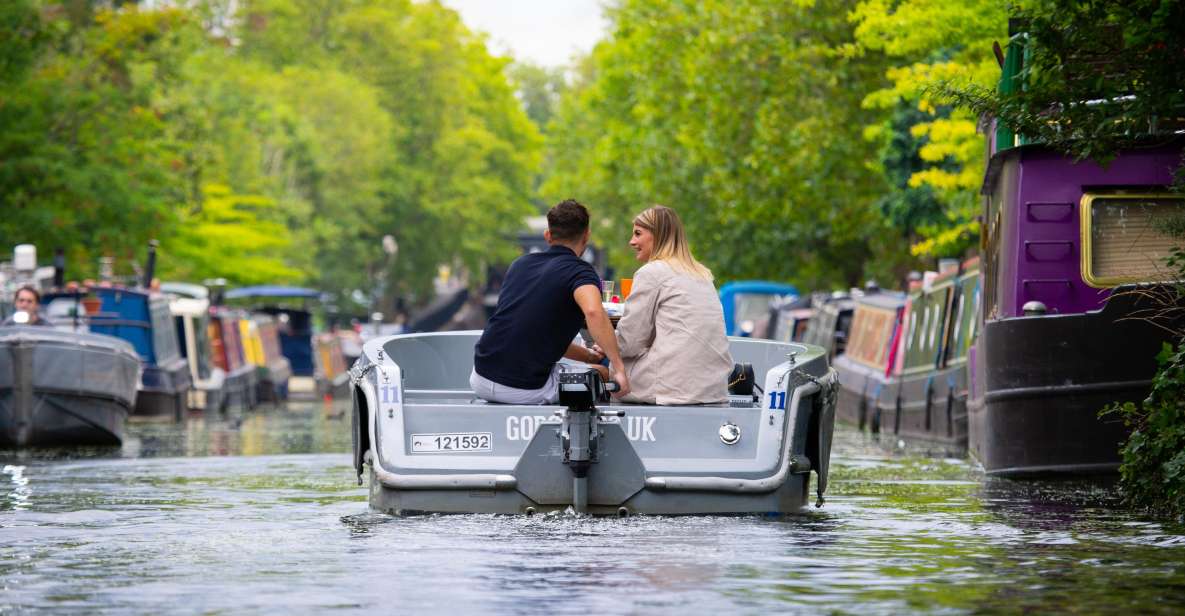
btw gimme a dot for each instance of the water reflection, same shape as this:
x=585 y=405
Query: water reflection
x=18 y=493
x=261 y=514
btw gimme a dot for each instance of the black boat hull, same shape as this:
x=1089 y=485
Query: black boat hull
x=240 y=389
x=272 y=383
x=59 y=419
x=1046 y=378
x=164 y=391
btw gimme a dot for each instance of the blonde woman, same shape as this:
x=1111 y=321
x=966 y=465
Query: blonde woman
x=671 y=336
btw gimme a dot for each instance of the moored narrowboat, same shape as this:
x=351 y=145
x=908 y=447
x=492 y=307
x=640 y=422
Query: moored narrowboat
x=142 y=318
x=333 y=376
x=747 y=305
x=904 y=368
x=830 y=323
x=192 y=318
x=64 y=388
x=788 y=321
x=1063 y=241
x=294 y=324
x=272 y=368
x=229 y=355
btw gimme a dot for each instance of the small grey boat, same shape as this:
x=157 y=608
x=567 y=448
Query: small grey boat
x=429 y=445
x=61 y=388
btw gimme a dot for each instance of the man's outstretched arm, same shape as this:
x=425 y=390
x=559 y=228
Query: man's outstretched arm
x=588 y=297
x=578 y=352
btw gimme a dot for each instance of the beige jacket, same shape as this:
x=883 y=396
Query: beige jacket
x=672 y=339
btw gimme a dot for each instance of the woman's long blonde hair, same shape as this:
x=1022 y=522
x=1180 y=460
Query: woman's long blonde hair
x=670 y=241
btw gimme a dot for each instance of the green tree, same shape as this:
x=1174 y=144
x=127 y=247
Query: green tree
x=225 y=223
x=453 y=179
x=87 y=161
x=1097 y=77
x=930 y=42
x=745 y=117
x=540 y=89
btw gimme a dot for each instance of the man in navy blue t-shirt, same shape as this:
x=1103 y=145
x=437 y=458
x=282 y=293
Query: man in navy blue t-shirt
x=545 y=298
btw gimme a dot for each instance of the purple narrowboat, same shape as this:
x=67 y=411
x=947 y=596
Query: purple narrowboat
x=1064 y=243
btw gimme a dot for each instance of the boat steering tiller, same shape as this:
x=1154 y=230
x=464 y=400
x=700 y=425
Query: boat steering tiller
x=579 y=393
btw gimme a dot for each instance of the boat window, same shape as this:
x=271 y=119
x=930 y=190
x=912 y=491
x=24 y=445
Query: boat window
x=963 y=317
x=872 y=330
x=217 y=347
x=164 y=335
x=1124 y=238
x=913 y=330
x=752 y=307
x=991 y=256
x=934 y=326
x=202 y=342
x=925 y=326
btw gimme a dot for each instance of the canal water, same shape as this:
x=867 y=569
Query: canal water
x=263 y=515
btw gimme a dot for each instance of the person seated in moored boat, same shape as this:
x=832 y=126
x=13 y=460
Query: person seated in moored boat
x=544 y=300
x=27 y=301
x=672 y=333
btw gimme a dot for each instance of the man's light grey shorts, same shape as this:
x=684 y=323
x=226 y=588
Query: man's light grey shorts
x=496 y=392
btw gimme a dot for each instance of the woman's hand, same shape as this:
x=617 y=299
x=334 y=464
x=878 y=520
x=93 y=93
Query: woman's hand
x=623 y=382
x=596 y=354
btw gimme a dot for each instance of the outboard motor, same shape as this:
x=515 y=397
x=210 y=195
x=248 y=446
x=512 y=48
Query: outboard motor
x=579 y=393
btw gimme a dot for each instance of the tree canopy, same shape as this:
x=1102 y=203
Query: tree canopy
x=817 y=141
x=743 y=116
x=262 y=140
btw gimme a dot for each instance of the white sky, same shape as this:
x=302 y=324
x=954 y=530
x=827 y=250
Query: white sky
x=545 y=32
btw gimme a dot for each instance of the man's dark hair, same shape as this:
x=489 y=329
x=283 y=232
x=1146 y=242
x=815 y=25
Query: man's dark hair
x=567 y=221
x=36 y=295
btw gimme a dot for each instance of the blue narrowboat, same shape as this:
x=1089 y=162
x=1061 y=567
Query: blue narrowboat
x=747 y=304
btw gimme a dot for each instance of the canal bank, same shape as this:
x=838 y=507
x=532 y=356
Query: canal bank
x=263 y=517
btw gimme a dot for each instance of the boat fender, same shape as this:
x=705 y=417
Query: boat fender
x=876 y=408
x=950 y=404
x=862 y=420
x=929 y=402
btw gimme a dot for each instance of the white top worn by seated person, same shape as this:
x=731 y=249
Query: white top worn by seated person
x=672 y=339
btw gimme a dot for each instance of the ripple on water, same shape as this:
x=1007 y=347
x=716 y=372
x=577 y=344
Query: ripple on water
x=266 y=516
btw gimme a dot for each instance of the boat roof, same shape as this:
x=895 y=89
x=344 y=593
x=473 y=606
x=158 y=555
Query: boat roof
x=189 y=306
x=884 y=299
x=185 y=289
x=759 y=286
x=273 y=291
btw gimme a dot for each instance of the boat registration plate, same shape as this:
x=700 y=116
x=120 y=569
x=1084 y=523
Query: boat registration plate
x=452 y=441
